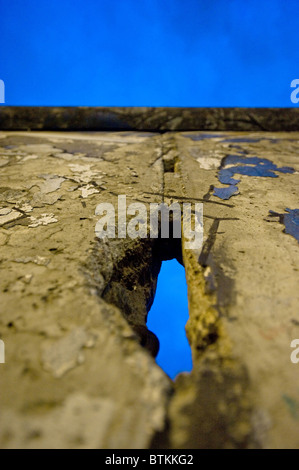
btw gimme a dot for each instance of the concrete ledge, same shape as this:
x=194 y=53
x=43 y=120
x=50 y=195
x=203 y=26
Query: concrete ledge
x=148 y=118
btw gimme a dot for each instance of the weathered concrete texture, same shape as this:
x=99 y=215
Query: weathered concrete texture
x=243 y=301
x=79 y=370
x=148 y=119
x=75 y=375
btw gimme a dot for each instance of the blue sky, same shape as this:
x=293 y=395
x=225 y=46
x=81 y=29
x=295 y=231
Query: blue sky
x=149 y=52
x=168 y=317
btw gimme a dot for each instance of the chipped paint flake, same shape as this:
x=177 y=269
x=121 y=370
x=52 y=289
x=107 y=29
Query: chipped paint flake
x=290 y=221
x=88 y=190
x=9 y=215
x=208 y=160
x=45 y=219
x=203 y=136
x=243 y=165
x=51 y=184
x=84 y=173
x=26 y=208
x=5 y=211
x=226 y=193
x=208 y=163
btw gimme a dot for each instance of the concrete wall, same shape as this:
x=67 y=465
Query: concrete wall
x=79 y=369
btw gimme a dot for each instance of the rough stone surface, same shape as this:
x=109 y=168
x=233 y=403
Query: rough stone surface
x=148 y=119
x=79 y=370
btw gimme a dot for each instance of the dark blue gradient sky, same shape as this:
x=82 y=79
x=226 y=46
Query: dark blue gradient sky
x=149 y=52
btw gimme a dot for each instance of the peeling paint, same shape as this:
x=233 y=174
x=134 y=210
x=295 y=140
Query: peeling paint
x=290 y=221
x=26 y=208
x=226 y=193
x=40 y=199
x=9 y=215
x=51 y=184
x=83 y=173
x=58 y=280
x=203 y=136
x=247 y=140
x=208 y=163
x=243 y=165
x=5 y=211
x=88 y=190
x=45 y=219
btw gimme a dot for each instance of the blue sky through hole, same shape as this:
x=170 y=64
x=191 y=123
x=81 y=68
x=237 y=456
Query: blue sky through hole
x=167 y=319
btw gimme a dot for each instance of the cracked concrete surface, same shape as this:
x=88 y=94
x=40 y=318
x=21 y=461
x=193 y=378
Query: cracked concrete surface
x=79 y=369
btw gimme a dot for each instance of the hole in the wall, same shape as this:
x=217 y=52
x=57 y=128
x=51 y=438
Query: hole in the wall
x=131 y=286
x=168 y=317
